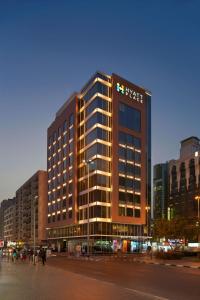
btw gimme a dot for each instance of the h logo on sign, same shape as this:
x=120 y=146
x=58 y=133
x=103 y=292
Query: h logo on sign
x=120 y=88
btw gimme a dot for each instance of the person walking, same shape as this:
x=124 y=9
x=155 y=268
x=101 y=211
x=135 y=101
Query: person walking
x=14 y=255
x=43 y=256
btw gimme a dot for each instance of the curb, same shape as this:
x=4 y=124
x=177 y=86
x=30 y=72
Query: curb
x=114 y=258
x=153 y=263
x=168 y=264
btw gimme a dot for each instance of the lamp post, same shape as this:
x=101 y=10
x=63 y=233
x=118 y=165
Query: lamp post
x=197 y=224
x=34 y=227
x=197 y=198
x=87 y=163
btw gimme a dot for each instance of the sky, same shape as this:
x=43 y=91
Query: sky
x=49 y=49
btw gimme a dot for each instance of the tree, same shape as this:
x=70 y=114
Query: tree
x=177 y=228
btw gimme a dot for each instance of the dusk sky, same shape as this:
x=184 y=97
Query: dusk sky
x=49 y=49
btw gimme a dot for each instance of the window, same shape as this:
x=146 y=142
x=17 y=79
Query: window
x=64 y=139
x=137 y=199
x=64 y=151
x=64 y=203
x=122 y=153
x=137 y=185
x=64 y=164
x=59 y=131
x=50 y=140
x=129 y=212
x=96 y=88
x=122 y=211
x=97 y=103
x=129 y=154
x=122 y=167
x=97 y=133
x=64 y=215
x=97 y=149
x=98 y=118
x=129 y=169
x=70 y=200
x=122 y=181
x=54 y=136
x=137 y=171
x=71 y=120
x=137 y=157
x=129 y=197
x=96 y=195
x=70 y=188
x=129 y=117
x=71 y=133
x=137 y=142
x=122 y=197
x=64 y=126
x=137 y=213
x=70 y=160
x=71 y=146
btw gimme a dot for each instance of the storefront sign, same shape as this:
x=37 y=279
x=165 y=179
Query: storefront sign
x=124 y=90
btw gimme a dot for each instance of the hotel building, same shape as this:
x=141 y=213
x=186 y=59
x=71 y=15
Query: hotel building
x=99 y=167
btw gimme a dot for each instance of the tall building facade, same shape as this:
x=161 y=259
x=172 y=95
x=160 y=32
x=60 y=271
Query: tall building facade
x=9 y=222
x=160 y=190
x=99 y=166
x=31 y=210
x=184 y=180
x=6 y=203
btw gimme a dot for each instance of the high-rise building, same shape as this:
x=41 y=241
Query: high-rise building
x=31 y=210
x=3 y=206
x=9 y=222
x=160 y=190
x=99 y=167
x=184 y=180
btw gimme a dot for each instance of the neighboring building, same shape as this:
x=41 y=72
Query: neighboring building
x=9 y=222
x=105 y=130
x=184 y=180
x=3 y=206
x=31 y=197
x=160 y=190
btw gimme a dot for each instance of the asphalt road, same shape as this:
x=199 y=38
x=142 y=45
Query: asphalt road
x=153 y=280
x=63 y=279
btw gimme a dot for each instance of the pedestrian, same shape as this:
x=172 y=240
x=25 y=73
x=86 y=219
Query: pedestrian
x=30 y=255
x=43 y=256
x=14 y=256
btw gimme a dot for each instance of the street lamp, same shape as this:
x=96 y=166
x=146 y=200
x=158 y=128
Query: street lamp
x=87 y=163
x=197 y=198
x=34 y=227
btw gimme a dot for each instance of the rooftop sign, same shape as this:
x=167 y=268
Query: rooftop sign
x=124 y=90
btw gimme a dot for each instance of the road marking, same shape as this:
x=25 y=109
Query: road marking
x=146 y=294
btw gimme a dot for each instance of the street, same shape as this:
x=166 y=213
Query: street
x=63 y=278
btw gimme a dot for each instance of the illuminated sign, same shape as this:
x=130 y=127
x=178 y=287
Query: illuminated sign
x=120 y=88
x=124 y=90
